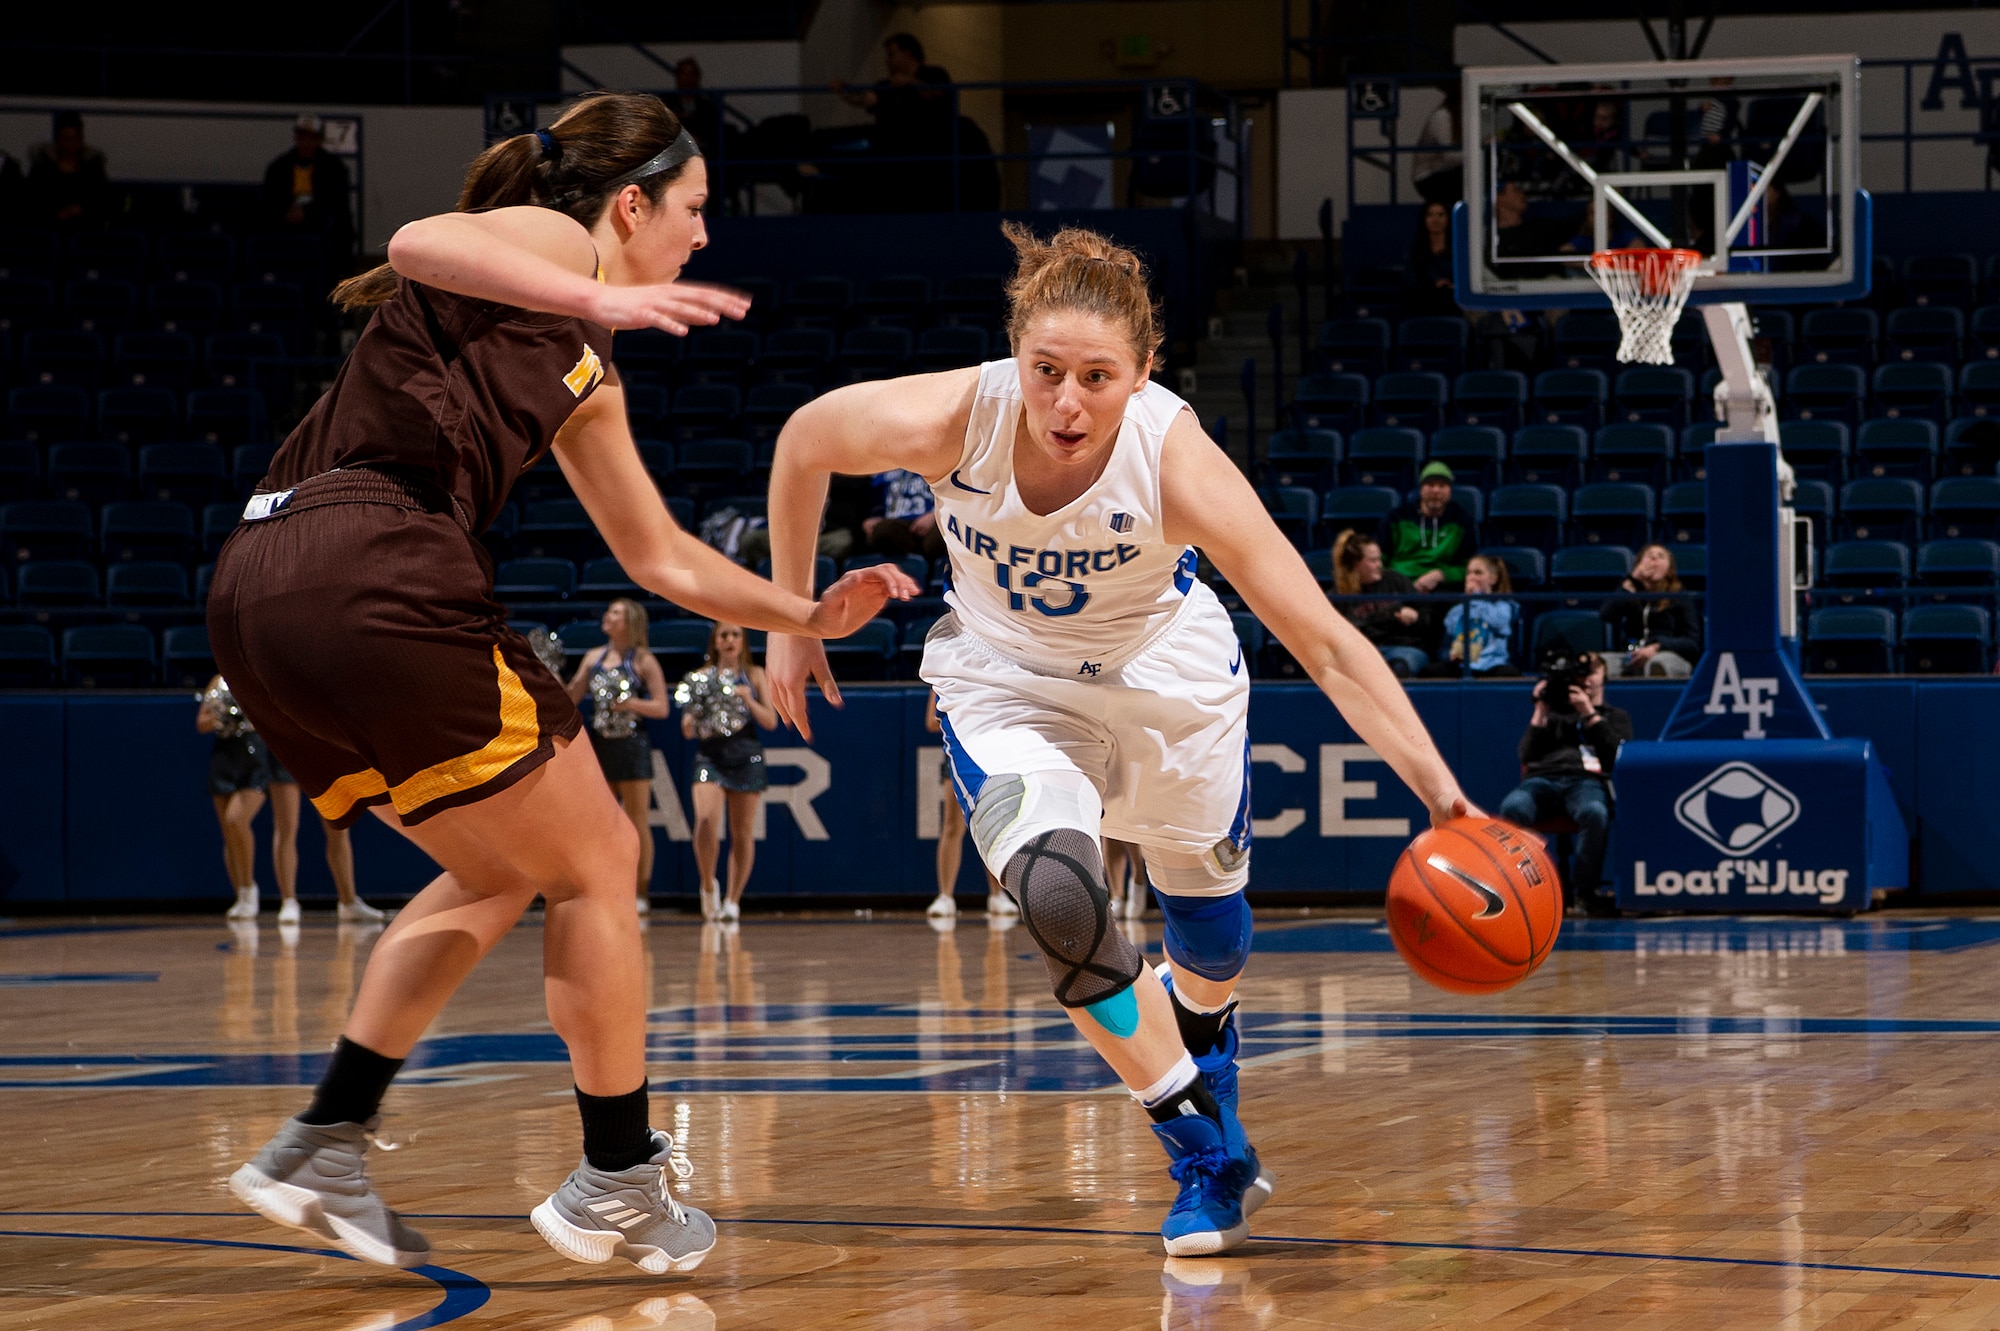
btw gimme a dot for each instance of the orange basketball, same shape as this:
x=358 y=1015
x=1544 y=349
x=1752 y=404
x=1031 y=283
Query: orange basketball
x=1474 y=906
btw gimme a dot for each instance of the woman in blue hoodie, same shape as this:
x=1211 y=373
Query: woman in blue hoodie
x=1477 y=630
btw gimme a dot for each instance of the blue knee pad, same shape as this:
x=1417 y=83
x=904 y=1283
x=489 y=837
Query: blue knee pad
x=1207 y=935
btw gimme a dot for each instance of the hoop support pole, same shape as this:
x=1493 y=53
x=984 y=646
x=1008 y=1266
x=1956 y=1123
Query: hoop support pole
x=1744 y=405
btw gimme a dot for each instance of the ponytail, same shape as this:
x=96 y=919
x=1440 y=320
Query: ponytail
x=602 y=143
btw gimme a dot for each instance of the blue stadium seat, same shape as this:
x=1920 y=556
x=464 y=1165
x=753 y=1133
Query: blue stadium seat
x=1498 y=398
x=1966 y=506
x=34 y=252
x=557 y=529
x=45 y=529
x=646 y=411
x=1586 y=339
x=1691 y=563
x=1589 y=568
x=20 y=471
x=119 y=254
x=949 y=348
x=874 y=353
x=704 y=409
x=1330 y=402
x=26 y=304
x=93 y=474
x=720 y=464
x=657 y=457
x=48 y=413
x=1294 y=509
x=1353 y=346
x=1471 y=498
x=866 y=653
x=249 y=464
x=235 y=360
x=1383 y=456
x=1302 y=457
x=203 y=256
x=1959 y=571
x=1658 y=393
x=1616 y=513
x=1890 y=509
x=1826 y=392
x=183 y=473
x=192 y=307
x=1850 y=640
x=148 y=529
x=1984 y=333
x=145 y=582
x=218 y=520
x=1409 y=399
x=1839 y=336
x=1818 y=450
x=1918 y=333
x=1979 y=388
x=1527 y=515
x=1684 y=513
x=603 y=579
x=27 y=657
x=277 y=257
x=799 y=354
x=1571 y=397
x=1548 y=455
x=57 y=582
x=1947 y=640
x=577 y=637
x=768 y=406
x=720 y=355
x=226 y=416
x=155 y=360
x=1250 y=636
x=646 y=355
x=1776 y=330
x=818 y=302
x=1900 y=447
x=1476 y=454
x=1813 y=501
x=1694 y=449
x=1356 y=507
x=897 y=301
x=109 y=656
x=138 y=415
x=276 y=308
x=1941 y=279
x=1579 y=630
x=1642 y=451
x=186 y=659
x=971 y=298
x=103 y=305
x=1914 y=388
x=1527 y=567
x=535 y=580
x=63 y=358
x=1319 y=563
x=1431 y=342
x=1850 y=569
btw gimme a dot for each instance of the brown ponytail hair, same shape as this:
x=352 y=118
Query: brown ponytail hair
x=1348 y=552
x=1081 y=270
x=601 y=137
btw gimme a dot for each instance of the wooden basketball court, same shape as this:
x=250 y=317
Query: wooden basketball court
x=1676 y=1123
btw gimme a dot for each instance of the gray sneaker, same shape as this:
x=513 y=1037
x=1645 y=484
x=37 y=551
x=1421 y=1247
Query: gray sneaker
x=598 y=1214
x=312 y=1178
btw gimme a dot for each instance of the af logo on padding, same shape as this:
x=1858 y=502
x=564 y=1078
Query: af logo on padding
x=1736 y=808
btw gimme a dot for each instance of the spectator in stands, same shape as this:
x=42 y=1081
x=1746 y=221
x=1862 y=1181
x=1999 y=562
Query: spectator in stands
x=1567 y=753
x=913 y=110
x=722 y=706
x=13 y=191
x=306 y=190
x=699 y=113
x=904 y=518
x=1429 y=538
x=1477 y=632
x=1606 y=149
x=1428 y=269
x=68 y=184
x=1395 y=629
x=1438 y=167
x=1662 y=637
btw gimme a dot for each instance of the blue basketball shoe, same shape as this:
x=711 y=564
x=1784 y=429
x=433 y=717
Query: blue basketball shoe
x=1218 y=1073
x=1207 y=1215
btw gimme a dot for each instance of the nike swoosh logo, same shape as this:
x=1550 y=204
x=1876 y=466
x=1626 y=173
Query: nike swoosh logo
x=963 y=486
x=1237 y=664
x=1494 y=903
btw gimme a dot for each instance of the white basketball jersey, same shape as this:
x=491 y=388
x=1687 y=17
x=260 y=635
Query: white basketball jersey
x=1086 y=584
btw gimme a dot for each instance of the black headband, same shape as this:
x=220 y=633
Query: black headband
x=674 y=154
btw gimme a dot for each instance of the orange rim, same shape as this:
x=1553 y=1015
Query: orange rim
x=1657 y=269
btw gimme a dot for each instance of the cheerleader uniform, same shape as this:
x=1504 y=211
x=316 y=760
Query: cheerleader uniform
x=727 y=752
x=239 y=760
x=618 y=738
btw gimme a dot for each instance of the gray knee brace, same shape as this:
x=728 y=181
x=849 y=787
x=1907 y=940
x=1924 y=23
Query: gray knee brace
x=1057 y=877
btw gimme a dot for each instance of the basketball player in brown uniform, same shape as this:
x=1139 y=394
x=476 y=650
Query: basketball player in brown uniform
x=353 y=613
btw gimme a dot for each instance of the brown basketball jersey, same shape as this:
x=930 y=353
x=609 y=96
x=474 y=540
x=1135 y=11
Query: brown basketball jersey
x=460 y=391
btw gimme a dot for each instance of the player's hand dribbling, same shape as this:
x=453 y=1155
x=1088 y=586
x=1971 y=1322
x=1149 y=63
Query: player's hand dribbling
x=1454 y=806
x=790 y=662
x=672 y=306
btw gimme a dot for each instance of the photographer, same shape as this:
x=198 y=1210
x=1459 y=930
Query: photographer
x=1567 y=754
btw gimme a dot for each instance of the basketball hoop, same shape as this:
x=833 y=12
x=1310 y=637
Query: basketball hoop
x=1647 y=289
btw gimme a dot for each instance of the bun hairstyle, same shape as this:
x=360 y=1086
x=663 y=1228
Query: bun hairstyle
x=1503 y=579
x=1348 y=551
x=1081 y=270
x=602 y=143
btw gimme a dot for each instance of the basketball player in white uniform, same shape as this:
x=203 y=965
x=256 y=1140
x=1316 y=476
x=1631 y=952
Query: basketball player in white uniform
x=1089 y=685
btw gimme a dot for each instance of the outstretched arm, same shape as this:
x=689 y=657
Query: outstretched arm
x=1207 y=503
x=915 y=423
x=596 y=453
x=538 y=259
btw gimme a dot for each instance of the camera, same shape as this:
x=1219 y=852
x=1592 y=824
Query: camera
x=1563 y=668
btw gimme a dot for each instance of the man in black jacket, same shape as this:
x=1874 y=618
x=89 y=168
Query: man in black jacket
x=305 y=191
x=1567 y=754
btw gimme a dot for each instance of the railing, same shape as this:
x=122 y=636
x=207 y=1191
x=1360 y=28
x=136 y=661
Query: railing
x=1174 y=140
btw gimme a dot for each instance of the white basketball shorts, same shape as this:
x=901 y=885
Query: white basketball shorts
x=1162 y=737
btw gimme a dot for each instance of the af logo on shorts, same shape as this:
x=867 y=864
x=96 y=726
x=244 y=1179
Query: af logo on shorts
x=585 y=374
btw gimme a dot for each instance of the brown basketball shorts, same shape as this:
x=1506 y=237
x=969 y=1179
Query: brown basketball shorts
x=357 y=628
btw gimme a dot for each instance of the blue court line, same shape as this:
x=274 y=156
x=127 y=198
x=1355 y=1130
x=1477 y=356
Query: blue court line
x=58 y=930
x=1501 y=1249
x=463 y=1294
x=80 y=977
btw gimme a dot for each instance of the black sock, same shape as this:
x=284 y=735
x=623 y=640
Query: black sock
x=1195 y=1095
x=1201 y=1032
x=352 y=1089
x=616 y=1133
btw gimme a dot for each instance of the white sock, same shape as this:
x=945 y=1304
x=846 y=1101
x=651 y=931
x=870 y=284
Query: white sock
x=1177 y=1078
x=1188 y=1003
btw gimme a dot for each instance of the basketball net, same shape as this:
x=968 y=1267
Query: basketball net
x=1647 y=290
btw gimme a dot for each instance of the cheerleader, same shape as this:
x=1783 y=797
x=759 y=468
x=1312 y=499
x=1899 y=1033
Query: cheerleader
x=238 y=777
x=625 y=684
x=718 y=703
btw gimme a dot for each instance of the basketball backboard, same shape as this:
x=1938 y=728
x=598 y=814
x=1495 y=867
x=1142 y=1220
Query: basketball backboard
x=1755 y=163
